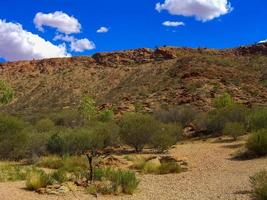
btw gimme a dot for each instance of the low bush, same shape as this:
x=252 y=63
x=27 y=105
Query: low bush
x=257 y=142
x=12 y=138
x=67 y=163
x=182 y=115
x=259 y=185
x=44 y=125
x=51 y=162
x=169 y=168
x=123 y=180
x=234 y=129
x=60 y=176
x=217 y=119
x=10 y=172
x=258 y=119
x=36 y=179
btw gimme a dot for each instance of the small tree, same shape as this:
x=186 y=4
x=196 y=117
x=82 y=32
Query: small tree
x=166 y=136
x=234 y=129
x=137 y=129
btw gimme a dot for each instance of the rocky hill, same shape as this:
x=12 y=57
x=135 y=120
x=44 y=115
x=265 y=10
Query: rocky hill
x=143 y=79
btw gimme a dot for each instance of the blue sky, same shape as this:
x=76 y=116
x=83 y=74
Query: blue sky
x=135 y=24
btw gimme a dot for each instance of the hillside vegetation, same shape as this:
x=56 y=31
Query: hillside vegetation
x=141 y=79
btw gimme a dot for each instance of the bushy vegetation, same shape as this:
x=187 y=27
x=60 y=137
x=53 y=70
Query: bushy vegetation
x=257 y=142
x=13 y=172
x=259 y=185
x=234 y=129
x=37 y=178
x=123 y=181
x=139 y=130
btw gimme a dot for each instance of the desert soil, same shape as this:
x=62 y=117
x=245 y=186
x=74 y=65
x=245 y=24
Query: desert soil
x=212 y=175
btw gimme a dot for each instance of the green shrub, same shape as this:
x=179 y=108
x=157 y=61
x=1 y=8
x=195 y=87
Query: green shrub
x=10 y=172
x=67 y=118
x=223 y=101
x=44 y=125
x=169 y=167
x=6 y=93
x=166 y=136
x=55 y=144
x=219 y=117
x=12 y=138
x=137 y=129
x=151 y=167
x=258 y=119
x=106 y=115
x=36 y=179
x=234 y=129
x=259 y=185
x=60 y=176
x=67 y=163
x=51 y=162
x=257 y=142
x=126 y=180
x=108 y=132
x=180 y=115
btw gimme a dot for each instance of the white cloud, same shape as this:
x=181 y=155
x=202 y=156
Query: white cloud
x=173 y=24
x=59 y=20
x=262 y=41
x=77 y=45
x=19 y=44
x=82 y=45
x=102 y=30
x=202 y=10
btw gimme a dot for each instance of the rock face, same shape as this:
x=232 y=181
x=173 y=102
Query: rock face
x=260 y=48
x=139 y=80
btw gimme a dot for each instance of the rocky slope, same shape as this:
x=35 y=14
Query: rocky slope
x=139 y=79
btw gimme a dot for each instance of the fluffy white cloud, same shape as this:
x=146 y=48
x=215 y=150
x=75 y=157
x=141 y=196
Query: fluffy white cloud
x=262 y=41
x=59 y=20
x=102 y=30
x=203 y=10
x=173 y=24
x=19 y=44
x=77 y=45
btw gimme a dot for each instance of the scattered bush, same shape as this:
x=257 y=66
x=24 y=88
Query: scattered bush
x=12 y=138
x=169 y=167
x=259 y=185
x=51 y=162
x=123 y=180
x=44 y=125
x=67 y=118
x=257 y=142
x=258 y=119
x=10 y=172
x=166 y=136
x=67 y=163
x=219 y=117
x=223 y=101
x=55 y=144
x=36 y=179
x=182 y=115
x=106 y=115
x=138 y=129
x=234 y=129
x=60 y=176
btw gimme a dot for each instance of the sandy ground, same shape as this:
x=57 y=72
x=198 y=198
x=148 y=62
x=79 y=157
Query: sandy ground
x=213 y=175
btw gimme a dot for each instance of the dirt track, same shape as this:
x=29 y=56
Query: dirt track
x=212 y=175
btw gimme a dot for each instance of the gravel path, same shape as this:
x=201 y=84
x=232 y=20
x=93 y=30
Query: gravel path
x=212 y=175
